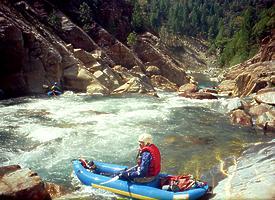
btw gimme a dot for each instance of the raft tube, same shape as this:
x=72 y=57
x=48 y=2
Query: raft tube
x=148 y=191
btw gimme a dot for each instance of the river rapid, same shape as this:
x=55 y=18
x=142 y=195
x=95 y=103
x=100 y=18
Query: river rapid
x=45 y=134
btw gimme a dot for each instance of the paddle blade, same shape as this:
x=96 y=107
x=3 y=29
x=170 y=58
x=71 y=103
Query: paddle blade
x=111 y=180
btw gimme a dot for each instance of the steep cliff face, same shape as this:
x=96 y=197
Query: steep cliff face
x=39 y=45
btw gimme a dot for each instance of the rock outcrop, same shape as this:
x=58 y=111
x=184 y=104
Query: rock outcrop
x=249 y=178
x=147 y=50
x=17 y=184
x=40 y=45
x=254 y=74
x=255 y=78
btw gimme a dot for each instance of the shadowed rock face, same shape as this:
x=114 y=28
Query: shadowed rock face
x=36 y=51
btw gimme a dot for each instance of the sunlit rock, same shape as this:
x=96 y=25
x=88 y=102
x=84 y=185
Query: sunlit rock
x=226 y=86
x=188 y=88
x=152 y=70
x=266 y=120
x=79 y=79
x=252 y=177
x=257 y=110
x=123 y=72
x=254 y=74
x=235 y=104
x=134 y=85
x=147 y=50
x=163 y=83
x=108 y=78
x=87 y=59
x=266 y=96
x=136 y=70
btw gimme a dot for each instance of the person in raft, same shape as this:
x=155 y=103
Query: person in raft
x=148 y=161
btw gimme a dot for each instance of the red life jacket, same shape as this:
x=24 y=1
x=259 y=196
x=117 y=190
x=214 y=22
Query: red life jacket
x=155 y=164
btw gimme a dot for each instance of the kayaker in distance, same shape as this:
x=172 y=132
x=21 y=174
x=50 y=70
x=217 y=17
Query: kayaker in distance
x=55 y=89
x=148 y=160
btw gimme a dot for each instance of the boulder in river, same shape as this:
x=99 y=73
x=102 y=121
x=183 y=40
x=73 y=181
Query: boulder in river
x=19 y=184
x=241 y=117
x=266 y=96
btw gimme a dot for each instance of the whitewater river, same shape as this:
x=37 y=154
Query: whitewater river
x=45 y=134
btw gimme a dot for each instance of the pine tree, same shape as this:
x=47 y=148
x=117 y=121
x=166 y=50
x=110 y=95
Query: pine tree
x=137 y=18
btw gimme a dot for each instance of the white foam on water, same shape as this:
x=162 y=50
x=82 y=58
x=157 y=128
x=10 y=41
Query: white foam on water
x=101 y=128
x=43 y=133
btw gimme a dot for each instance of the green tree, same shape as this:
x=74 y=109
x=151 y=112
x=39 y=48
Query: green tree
x=55 y=20
x=137 y=18
x=266 y=22
x=85 y=15
x=132 y=39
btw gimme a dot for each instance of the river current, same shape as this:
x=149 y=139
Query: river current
x=45 y=134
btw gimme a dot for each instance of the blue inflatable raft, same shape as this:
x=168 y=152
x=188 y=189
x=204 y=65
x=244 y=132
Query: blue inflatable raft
x=148 y=191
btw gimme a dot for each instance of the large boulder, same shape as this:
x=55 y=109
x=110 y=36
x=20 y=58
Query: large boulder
x=163 y=83
x=188 y=88
x=257 y=110
x=235 y=104
x=266 y=96
x=79 y=79
x=109 y=78
x=87 y=59
x=152 y=70
x=18 y=184
x=135 y=85
x=266 y=121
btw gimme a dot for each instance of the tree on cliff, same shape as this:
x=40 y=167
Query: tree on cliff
x=233 y=27
x=85 y=15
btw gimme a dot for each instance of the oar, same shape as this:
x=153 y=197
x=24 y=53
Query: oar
x=117 y=176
